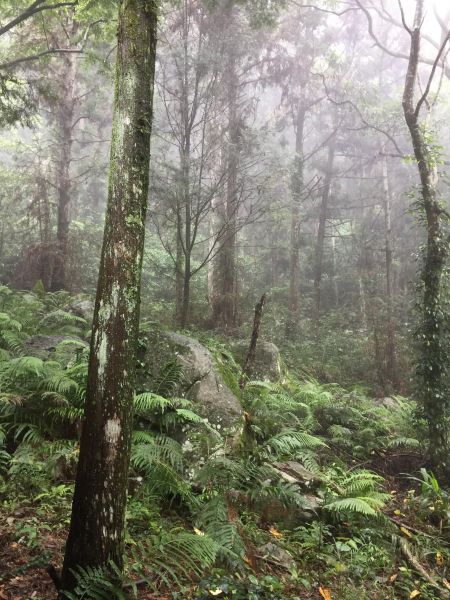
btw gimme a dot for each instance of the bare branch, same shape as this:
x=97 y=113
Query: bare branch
x=34 y=8
x=433 y=71
x=23 y=59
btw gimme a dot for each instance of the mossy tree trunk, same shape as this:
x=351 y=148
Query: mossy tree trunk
x=432 y=364
x=97 y=523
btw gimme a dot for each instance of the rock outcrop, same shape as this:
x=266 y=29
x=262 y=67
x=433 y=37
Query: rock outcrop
x=62 y=348
x=267 y=359
x=200 y=380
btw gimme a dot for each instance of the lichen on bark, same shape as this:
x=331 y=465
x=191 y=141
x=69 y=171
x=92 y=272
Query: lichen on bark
x=96 y=530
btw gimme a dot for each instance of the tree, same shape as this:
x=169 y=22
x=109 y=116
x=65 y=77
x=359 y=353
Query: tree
x=432 y=364
x=98 y=511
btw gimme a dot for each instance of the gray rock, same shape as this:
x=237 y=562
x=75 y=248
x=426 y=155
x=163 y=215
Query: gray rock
x=200 y=382
x=267 y=359
x=387 y=402
x=83 y=309
x=280 y=556
x=55 y=347
x=289 y=517
x=294 y=472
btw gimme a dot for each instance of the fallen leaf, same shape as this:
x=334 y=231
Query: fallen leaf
x=397 y=512
x=439 y=558
x=446 y=583
x=393 y=577
x=406 y=532
x=275 y=532
x=414 y=594
x=325 y=593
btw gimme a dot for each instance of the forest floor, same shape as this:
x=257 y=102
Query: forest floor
x=31 y=541
x=323 y=494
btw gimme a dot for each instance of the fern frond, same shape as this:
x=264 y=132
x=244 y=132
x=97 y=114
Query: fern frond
x=148 y=402
x=94 y=583
x=289 y=441
x=351 y=505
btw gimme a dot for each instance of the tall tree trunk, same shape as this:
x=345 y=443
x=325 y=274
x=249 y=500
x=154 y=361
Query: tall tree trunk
x=98 y=511
x=229 y=248
x=185 y=158
x=224 y=307
x=334 y=276
x=179 y=277
x=318 y=261
x=431 y=369
x=294 y=244
x=65 y=109
x=391 y=356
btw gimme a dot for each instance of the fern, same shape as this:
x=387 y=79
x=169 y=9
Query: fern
x=149 y=402
x=94 y=583
x=360 y=506
x=177 y=557
x=357 y=493
x=168 y=379
x=215 y=522
x=289 y=442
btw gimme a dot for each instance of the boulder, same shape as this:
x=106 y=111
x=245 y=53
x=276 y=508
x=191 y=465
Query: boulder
x=200 y=381
x=288 y=517
x=278 y=555
x=294 y=472
x=83 y=309
x=387 y=402
x=64 y=349
x=267 y=365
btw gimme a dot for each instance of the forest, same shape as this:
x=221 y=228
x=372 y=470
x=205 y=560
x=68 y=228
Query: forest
x=224 y=299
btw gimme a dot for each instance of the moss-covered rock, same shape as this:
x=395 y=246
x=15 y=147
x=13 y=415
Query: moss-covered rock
x=200 y=380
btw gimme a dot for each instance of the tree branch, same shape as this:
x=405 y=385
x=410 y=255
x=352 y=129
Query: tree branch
x=34 y=8
x=17 y=61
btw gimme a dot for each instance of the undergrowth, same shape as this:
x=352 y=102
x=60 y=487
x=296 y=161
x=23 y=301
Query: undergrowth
x=309 y=496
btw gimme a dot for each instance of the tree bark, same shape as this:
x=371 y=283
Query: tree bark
x=224 y=307
x=251 y=353
x=318 y=262
x=64 y=109
x=391 y=355
x=432 y=360
x=98 y=511
x=294 y=251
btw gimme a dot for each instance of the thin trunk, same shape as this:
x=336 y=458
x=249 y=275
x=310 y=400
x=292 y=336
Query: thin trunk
x=318 y=262
x=296 y=194
x=65 y=109
x=178 y=279
x=362 y=301
x=251 y=353
x=432 y=362
x=185 y=173
x=334 y=277
x=97 y=524
x=391 y=356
